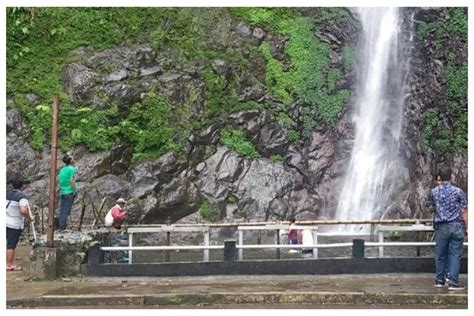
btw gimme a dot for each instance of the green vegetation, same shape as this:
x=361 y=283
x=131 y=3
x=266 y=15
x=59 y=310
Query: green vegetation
x=285 y=120
x=294 y=136
x=432 y=123
x=39 y=42
x=231 y=198
x=453 y=21
x=269 y=18
x=451 y=136
x=309 y=77
x=456 y=79
x=423 y=29
x=149 y=126
x=457 y=24
x=410 y=236
x=276 y=158
x=237 y=141
x=347 y=58
x=276 y=80
x=177 y=299
x=208 y=212
x=78 y=125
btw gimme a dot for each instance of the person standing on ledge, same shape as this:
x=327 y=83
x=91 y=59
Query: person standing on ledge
x=67 y=190
x=450 y=223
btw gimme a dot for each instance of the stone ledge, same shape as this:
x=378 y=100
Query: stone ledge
x=175 y=299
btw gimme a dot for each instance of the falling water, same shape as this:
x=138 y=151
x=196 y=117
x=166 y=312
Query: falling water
x=372 y=172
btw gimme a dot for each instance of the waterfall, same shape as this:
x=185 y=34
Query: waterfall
x=375 y=166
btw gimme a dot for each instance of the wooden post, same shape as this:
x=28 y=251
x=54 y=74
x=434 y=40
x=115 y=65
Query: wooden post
x=52 y=172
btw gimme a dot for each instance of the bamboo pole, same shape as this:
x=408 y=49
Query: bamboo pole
x=52 y=173
x=314 y=222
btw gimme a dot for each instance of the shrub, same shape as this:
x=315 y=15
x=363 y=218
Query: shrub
x=237 y=141
x=208 y=212
x=276 y=158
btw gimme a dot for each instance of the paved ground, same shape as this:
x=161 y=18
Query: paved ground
x=266 y=291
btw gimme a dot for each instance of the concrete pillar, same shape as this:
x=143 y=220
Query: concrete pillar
x=43 y=264
x=95 y=255
x=358 y=248
x=230 y=251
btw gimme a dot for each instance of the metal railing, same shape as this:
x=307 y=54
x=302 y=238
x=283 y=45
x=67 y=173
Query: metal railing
x=376 y=228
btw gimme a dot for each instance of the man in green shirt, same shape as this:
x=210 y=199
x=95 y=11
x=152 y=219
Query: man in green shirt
x=67 y=190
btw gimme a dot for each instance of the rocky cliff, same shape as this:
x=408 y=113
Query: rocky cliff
x=243 y=118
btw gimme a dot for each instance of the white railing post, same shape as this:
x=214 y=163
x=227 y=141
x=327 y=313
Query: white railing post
x=372 y=232
x=206 y=243
x=381 y=241
x=277 y=242
x=130 y=244
x=241 y=242
x=315 y=242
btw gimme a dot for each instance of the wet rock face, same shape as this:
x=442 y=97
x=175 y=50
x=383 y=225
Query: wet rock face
x=427 y=89
x=169 y=187
x=260 y=189
x=94 y=165
x=122 y=76
x=146 y=177
x=262 y=183
x=16 y=124
x=79 y=82
x=20 y=157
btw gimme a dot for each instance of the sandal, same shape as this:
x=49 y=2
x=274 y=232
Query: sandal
x=14 y=268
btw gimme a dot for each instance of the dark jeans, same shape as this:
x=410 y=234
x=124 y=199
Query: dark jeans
x=449 y=239
x=65 y=205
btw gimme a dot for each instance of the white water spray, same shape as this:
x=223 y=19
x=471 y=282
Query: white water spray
x=372 y=172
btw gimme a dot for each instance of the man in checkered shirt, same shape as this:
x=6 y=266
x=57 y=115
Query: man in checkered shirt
x=450 y=222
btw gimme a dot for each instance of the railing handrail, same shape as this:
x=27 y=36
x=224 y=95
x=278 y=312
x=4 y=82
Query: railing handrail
x=415 y=227
x=277 y=226
x=273 y=246
x=122 y=248
x=312 y=222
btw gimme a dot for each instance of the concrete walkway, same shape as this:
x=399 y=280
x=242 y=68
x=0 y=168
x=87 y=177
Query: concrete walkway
x=266 y=291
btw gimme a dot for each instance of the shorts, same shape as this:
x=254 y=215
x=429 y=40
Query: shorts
x=13 y=236
x=293 y=241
